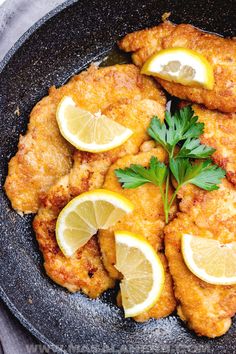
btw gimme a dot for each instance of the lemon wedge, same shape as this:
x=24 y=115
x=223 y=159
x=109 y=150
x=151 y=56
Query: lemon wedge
x=210 y=260
x=142 y=270
x=181 y=65
x=84 y=215
x=88 y=131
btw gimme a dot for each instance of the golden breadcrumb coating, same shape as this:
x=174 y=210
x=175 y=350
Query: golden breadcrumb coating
x=84 y=271
x=220 y=133
x=219 y=51
x=206 y=308
x=146 y=219
x=43 y=155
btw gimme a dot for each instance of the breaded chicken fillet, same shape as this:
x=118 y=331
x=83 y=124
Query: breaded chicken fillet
x=89 y=169
x=146 y=219
x=220 y=52
x=206 y=308
x=220 y=133
x=43 y=155
x=84 y=270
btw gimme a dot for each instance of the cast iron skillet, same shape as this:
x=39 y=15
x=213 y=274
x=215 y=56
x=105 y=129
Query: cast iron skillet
x=58 y=46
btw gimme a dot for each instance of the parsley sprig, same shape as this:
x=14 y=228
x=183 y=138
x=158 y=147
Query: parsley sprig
x=178 y=135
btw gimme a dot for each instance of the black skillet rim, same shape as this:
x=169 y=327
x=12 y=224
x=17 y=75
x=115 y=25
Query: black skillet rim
x=3 y=64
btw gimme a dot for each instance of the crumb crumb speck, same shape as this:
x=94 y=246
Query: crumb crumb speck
x=165 y=16
x=17 y=111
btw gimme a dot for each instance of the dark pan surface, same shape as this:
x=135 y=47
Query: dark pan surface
x=49 y=53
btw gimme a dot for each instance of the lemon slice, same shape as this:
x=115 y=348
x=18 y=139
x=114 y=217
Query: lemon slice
x=181 y=65
x=210 y=260
x=87 y=131
x=85 y=214
x=142 y=270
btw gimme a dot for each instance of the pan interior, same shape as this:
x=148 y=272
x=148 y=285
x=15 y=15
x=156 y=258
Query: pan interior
x=59 y=46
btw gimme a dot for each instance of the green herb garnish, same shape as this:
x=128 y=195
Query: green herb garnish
x=182 y=130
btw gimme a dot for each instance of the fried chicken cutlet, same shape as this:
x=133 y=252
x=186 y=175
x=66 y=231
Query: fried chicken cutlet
x=206 y=308
x=43 y=155
x=84 y=270
x=147 y=219
x=220 y=52
x=220 y=133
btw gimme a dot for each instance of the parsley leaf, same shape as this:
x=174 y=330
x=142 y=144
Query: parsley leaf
x=194 y=149
x=203 y=174
x=137 y=175
x=181 y=126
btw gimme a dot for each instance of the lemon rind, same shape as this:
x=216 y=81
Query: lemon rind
x=106 y=195
x=201 y=273
x=134 y=240
x=208 y=70
x=89 y=147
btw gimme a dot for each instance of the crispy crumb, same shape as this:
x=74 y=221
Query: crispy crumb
x=147 y=146
x=219 y=133
x=165 y=16
x=30 y=301
x=17 y=111
x=20 y=213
